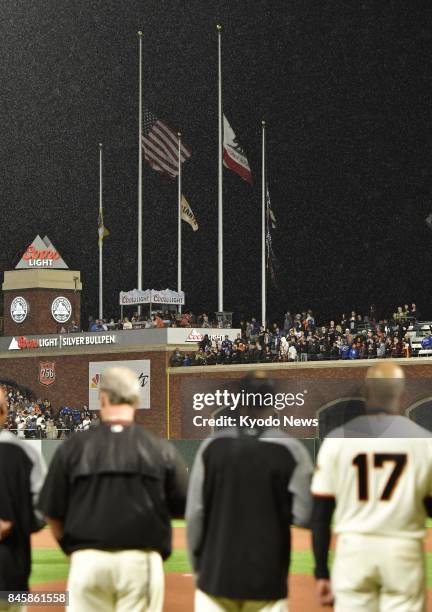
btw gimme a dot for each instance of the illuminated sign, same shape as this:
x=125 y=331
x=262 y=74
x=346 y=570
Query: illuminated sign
x=61 y=341
x=41 y=254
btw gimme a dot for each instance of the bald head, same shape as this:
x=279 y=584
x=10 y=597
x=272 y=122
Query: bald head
x=386 y=370
x=384 y=386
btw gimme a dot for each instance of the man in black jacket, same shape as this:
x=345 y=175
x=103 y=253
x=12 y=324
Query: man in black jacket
x=109 y=497
x=22 y=472
x=248 y=484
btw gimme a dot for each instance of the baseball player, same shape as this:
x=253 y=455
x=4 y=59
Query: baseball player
x=379 y=483
x=21 y=479
x=247 y=486
x=108 y=498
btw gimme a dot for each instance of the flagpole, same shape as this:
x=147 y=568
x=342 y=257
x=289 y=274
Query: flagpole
x=220 y=152
x=179 y=228
x=100 y=237
x=140 y=203
x=263 y=228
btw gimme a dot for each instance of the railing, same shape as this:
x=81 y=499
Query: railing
x=38 y=434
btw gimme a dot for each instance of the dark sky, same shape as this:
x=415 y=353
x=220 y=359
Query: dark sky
x=344 y=86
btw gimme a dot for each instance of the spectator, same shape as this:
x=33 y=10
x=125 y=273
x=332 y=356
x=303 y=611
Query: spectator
x=200 y=358
x=268 y=356
x=288 y=321
x=185 y=320
x=51 y=430
x=21 y=428
x=292 y=352
x=283 y=349
x=226 y=344
x=159 y=321
x=176 y=359
x=96 y=326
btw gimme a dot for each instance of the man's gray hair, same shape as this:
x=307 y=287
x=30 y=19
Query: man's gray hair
x=121 y=385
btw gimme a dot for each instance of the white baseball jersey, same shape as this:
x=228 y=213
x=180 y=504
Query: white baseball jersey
x=379 y=483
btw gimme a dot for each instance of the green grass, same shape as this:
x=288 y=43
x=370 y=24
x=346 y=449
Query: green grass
x=50 y=564
x=178 y=563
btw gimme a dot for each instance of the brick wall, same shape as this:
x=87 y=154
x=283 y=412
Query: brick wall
x=71 y=384
x=39 y=319
x=72 y=380
x=346 y=378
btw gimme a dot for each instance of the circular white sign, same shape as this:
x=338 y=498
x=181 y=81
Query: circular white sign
x=19 y=309
x=61 y=309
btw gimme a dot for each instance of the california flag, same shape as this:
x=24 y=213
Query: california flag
x=233 y=155
x=187 y=214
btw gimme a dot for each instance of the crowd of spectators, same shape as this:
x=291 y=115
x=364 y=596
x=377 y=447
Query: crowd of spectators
x=298 y=337
x=36 y=419
x=302 y=337
x=155 y=320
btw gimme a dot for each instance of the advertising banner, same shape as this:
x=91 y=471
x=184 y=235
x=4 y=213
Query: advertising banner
x=41 y=253
x=193 y=335
x=140 y=367
x=151 y=296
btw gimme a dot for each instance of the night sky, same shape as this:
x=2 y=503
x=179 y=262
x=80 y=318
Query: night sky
x=345 y=88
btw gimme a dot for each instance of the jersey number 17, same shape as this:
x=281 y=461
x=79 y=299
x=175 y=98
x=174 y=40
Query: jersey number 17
x=379 y=459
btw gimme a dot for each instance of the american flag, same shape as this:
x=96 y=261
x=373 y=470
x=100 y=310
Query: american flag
x=160 y=145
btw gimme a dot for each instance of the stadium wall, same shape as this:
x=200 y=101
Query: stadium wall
x=171 y=388
x=71 y=384
x=324 y=381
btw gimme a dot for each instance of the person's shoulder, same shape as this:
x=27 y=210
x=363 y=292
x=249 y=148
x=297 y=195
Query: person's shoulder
x=23 y=447
x=293 y=445
x=149 y=440
x=217 y=441
x=340 y=432
x=413 y=429
x=78 y=439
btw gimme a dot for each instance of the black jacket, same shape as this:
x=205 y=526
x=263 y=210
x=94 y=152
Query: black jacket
x=246 y=488
x=115 y=486
x=21 y=477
